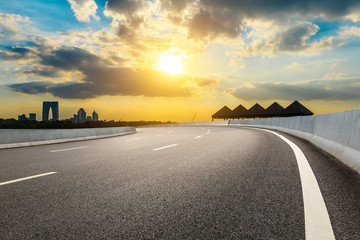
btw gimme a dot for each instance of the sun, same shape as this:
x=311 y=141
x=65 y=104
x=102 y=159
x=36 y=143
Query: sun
x=171 y=61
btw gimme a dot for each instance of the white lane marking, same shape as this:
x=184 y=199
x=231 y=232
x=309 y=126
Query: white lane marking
x=170 y=132
x=130 y=140
x=317 y=221
x=68 y=149
x=27 y=178
x=207 y=132
x=173 y=145
x=198 y=136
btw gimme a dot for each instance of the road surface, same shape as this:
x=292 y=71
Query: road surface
x=178 y=183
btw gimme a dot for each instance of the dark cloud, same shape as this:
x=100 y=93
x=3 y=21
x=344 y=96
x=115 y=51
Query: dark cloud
x=124 y=6
x=126 y=33
x=131 y=9
x=206 y=24
x=342 y=89
x=112 y=81
x=294 y=39
x=224 y=18
x=32 y=87
x=174 y=5
x=15 y=53
x=70 y=58
x=100 y=79
x=52 y=73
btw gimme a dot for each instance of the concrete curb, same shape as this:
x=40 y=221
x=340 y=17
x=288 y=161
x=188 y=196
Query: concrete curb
x=43 y=137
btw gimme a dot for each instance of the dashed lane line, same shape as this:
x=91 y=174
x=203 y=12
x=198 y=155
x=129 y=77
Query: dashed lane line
x=317 y=221
x=160 y=148
x=68 y=149
x=198 y=137
x=27 y=178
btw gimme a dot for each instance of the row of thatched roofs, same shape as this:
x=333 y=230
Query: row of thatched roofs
x=257 y=111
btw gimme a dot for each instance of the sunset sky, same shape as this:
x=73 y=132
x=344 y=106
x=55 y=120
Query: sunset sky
x=169 y=59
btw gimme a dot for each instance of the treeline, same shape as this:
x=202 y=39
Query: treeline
x=27 y=124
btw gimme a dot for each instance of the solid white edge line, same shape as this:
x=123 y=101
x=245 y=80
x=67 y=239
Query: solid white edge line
x=198 y=136
x=27 y=178
x=172 y=145
x=68 y=149
x=317 y=221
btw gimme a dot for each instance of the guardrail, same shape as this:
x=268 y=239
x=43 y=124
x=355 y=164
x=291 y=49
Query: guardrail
x=11 y=138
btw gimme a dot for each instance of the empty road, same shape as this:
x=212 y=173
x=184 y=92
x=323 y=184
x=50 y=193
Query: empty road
x=178 y=183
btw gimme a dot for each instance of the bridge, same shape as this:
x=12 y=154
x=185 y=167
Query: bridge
x=241 y=179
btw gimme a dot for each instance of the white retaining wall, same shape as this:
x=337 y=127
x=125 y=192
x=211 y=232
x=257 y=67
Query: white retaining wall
x=336 y=133
x=10 y=138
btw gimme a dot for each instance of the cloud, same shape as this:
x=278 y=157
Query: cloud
x=347 y=32
x=131 y=11
x=15 y=53
x=339 y=89
x=32 y=87
x=209 y=25
x=70 y=58
x=294 y=39
x=83 y=9
x=112 y=81
x=212 y=18
x=51 y=73
x=101 y=79
x=13 y=26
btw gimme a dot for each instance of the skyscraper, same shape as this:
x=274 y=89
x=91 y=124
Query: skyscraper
x=81 y=116
x=54 y=106
x=95 y=116
x=32 y=116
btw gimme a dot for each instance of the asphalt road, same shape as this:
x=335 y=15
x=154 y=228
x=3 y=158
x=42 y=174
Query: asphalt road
x=176 y=183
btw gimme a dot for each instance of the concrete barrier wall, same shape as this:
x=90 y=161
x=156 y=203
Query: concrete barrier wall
x=336 y=133
x=10 y=138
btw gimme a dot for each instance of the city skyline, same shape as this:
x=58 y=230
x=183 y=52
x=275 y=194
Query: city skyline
x=168 y=60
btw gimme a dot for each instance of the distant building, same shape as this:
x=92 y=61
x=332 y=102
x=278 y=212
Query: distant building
x=54 y=106
x=22 y=117
x=74 y=119
x=81 y=115
x=95 y=116
x=88 y=118
x=32 y=116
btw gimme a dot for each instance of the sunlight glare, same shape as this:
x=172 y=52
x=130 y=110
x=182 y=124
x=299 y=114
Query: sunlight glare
x=170 y=61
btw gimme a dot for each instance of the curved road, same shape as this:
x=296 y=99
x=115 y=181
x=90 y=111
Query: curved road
x=178 y=183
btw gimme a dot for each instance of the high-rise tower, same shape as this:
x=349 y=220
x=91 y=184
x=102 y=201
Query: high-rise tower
x=81 y=116
x=54 y=106
x=95 y=116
